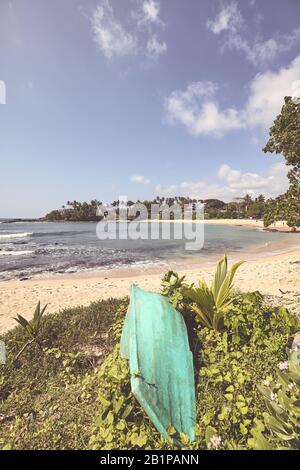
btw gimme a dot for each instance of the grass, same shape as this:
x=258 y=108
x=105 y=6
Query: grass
x=75 y=392
x=47 y=398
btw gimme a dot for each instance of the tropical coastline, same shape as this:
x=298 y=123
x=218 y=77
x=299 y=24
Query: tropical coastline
x=267 y=274
x=149 y=250
x=33 y=250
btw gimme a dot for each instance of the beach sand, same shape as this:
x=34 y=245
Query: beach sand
x=279 y=226
x=268 y=275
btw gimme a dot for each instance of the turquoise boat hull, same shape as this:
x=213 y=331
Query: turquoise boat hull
x=155 y=341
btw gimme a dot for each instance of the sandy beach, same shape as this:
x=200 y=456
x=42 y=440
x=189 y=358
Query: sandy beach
x=278 y=226
x=276 y=275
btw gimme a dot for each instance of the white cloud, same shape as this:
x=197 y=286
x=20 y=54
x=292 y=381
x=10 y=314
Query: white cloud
x=296 y=89
x=139 y=179
x=150 y=12
x=110 y=35
x=155 y=48
x=170 y=190
x=197 y=107
x=134 y=35
x=263 y=52
x=229 y=18
x=232 y=183
x=267 y=91
x=231 y=25
x=272 y=183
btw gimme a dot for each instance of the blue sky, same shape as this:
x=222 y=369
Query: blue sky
x=142 y=97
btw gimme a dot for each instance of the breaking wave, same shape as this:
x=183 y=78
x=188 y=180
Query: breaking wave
x=15 y=235
x=16 y=253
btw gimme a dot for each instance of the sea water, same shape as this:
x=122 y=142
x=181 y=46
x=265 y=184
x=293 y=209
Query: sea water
x=34 y=249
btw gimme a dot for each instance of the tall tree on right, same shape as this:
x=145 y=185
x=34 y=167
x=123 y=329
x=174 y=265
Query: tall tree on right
x=285 y=139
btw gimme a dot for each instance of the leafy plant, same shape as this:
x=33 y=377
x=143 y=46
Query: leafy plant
x=172 y=287
x=49 y=402
x=283 y=405
x=32 y=327
x=229 y=370
x=229 y=405
x=250 y=320
x=210 y=302
x=60 y=400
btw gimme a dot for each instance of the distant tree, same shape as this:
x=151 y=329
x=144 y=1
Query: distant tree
x=54 y=216
x=76 y=211
x=239 y=201
x=214 y=204
x=261 y=198
x=247 y=201
x=255 y=210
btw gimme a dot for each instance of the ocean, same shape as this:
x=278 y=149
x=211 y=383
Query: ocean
x=43 y=249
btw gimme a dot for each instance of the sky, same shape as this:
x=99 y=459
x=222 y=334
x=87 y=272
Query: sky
x=142 y=98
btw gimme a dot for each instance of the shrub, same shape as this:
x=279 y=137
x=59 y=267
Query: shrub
x=229 y=405
x=210 y=304
x=31 y=328
x=69 y=397
x=172 y=287
x=234 y=362
x=282 y=398
x=47 y=399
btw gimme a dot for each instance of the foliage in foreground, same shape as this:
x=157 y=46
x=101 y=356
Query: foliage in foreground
x=210 y=304
x=229 y=365
x=76 y=393
x=47 y=398
x=31 y=328
x=283 y=406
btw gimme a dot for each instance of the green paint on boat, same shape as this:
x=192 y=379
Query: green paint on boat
x=155 y=341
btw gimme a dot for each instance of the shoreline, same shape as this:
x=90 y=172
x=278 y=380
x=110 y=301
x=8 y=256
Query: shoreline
x=268 y=274
x=278 y=226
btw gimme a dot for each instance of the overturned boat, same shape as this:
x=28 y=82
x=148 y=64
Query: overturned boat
x=155 y=341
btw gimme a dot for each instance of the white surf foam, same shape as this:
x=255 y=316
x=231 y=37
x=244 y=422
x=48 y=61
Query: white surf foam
x=15 y=235
x=16 y=253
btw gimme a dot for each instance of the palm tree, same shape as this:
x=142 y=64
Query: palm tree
x=247 y=200
x=238 y=202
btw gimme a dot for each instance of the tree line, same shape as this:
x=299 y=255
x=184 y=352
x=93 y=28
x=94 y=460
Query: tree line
x=239 y=208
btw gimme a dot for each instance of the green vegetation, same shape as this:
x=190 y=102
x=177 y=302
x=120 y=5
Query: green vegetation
x=75 y=211
x=47 y=399
x=229 y=366
x=283 y=404
x=285 y=139
x=211 y=304
x=240 y=208
x=31 y=328
x=72 y=390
